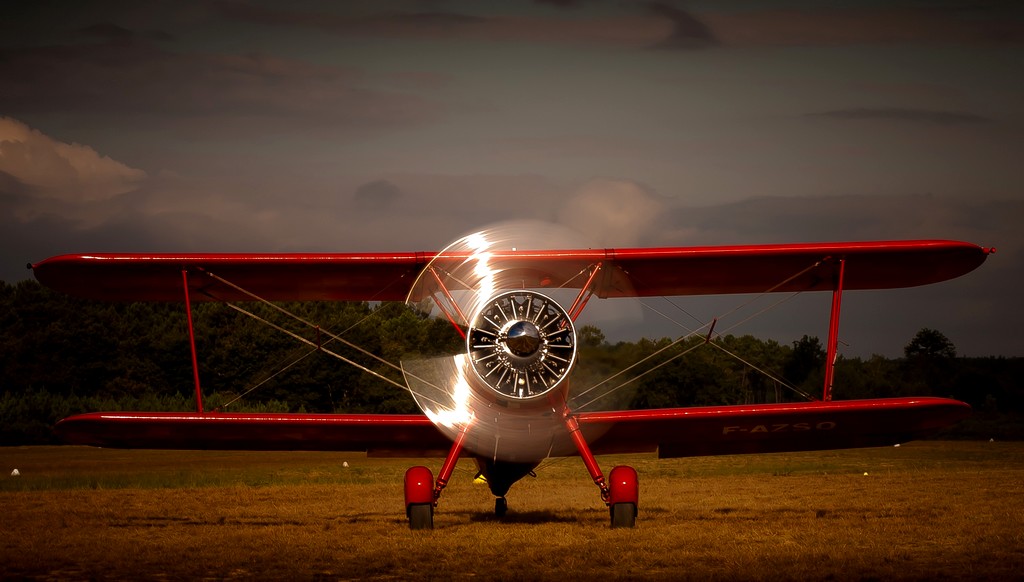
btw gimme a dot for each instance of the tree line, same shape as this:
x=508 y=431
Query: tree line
x=61 y=355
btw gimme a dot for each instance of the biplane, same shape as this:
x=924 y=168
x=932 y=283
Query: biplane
x=505 y=399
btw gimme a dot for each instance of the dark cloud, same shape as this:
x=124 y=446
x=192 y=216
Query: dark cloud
x=111 y=32
x=194 y=92
x=626 y=28
x=433 y=24
x=688 y=32
x=11 y=185
x=852 y=217
x=377 y=195
x=860 y=25
x=122 y=230
x=663 y=25
x=562 y=3
x=29 y=23
x=905 y=114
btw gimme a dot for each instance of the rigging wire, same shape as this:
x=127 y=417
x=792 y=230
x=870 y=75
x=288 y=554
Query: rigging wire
x=295 y=361
x=320 y=346
x=692 y=333
x=765 y=372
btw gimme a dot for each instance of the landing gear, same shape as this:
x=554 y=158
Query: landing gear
x=623 y=496
x=623 y=515
x=421 y=516
x=500 y=507
x=622 y=490
x=419 y=498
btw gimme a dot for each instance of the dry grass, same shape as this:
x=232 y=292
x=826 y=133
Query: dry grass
x=924 y=511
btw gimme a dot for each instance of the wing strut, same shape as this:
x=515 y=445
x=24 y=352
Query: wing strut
x=451 y=302
x=192 y=342
x=586 y=292
x=833 y=333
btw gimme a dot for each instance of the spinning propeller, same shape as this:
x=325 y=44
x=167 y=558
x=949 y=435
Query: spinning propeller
x=513 y=301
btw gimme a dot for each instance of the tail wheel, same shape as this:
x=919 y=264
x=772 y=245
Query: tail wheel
x=421 y=516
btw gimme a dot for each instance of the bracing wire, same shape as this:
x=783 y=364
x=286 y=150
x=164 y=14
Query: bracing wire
x=693 y=332
x=319 y=346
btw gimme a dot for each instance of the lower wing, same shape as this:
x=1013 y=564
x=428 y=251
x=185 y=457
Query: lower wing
x=671 y=432
x=769 y=428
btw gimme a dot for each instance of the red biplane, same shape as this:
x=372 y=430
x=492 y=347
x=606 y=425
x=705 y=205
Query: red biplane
x=505 y=400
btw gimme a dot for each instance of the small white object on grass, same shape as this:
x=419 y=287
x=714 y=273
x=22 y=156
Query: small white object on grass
x=897 y=445
x=345 y=464
x=15 y=473
x=865 y=472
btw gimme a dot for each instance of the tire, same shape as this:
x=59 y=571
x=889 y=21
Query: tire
x=421 y=516
x=500 y=507
x=623 y=515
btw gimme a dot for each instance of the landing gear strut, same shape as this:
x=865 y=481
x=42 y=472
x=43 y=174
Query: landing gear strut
x=622 y=490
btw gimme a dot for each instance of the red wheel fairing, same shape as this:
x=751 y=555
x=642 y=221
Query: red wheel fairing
x=419 y=486
x=624 y=485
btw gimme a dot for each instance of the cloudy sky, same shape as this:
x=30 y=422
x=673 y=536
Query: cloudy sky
x=400 y=125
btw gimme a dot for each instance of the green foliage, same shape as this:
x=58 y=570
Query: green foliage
x=60 y=355
x=930 y=344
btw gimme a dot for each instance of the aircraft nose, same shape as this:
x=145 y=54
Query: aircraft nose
x=523 y=339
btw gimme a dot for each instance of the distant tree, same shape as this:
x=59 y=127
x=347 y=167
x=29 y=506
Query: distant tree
x=591 y=336
x=806 y=359
x=929 y=364
x=931 y=345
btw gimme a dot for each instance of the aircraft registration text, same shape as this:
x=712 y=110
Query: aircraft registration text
x=779 y=427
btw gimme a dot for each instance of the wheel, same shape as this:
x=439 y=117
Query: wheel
x=421 y=516
x=623 y=496
x=623 y=515
x=500 y=507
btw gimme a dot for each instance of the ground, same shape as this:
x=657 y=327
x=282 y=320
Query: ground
x=929 y=510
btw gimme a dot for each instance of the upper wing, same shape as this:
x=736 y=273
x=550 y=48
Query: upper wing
x=624 y=272
x=769 y=428
x=276 y=277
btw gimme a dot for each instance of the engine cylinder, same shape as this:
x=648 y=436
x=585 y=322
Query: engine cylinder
x=521 y=344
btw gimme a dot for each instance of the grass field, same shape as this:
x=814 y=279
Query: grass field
x=928 y=511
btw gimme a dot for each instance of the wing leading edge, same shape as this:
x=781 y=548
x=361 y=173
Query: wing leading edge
x=672 y=432
x=770 y=428
x=627 y=272
x=410 y=435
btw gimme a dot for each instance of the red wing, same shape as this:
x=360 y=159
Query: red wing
x=281 y=277
x=797 y=267
x=769 y=428
x=625 y=272
x=672 y=432
x=406 y=435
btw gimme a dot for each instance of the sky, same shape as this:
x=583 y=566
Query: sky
x=400 y=125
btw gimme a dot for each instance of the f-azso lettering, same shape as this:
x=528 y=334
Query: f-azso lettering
x=779 y=427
